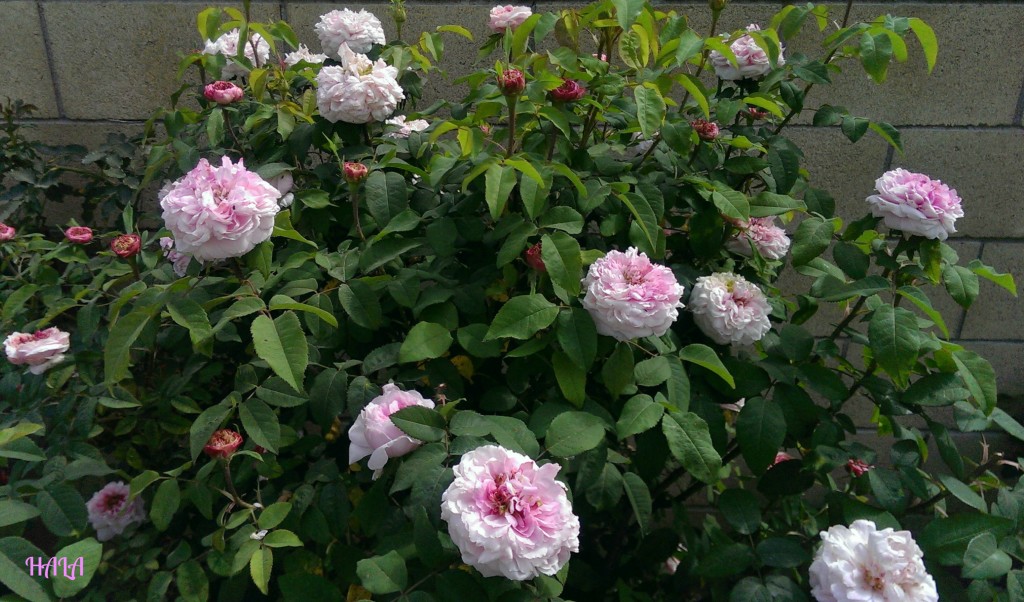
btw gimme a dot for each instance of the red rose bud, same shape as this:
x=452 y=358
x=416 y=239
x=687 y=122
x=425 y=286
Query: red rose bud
x=858 y=467
x=78 y=234
x=569 y=91
x=533 y=258
x=126 y=245
x=354 y=173
x=512 y=82
x=222 y=443
x=6 y=232
x=223 y=93
x=756 y=113
x=707 y=130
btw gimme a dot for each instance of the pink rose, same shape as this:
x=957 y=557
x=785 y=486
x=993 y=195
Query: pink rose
x=569 y=91
x=761 y=232
x=178 y=260
x=751 y=59
x=79 y=235
x=406 y=127
x=729 y=309
x=916 y=204
x=512 y=82
x=358 y=91
x=374 y=435
x=40 y=350
x=858 y=467
x=219 y=212
x=782 y=457
x=222 y=444
x=6 y=232
x=353 y=172
x=508 y=17
x=508 y=516
x=126 y=245
x=629 y=297
x=110 y=512
x=706 y=130
x=223 y=93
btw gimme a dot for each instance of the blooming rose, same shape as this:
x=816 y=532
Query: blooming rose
x=227 y=45
x=916 y=204
x=406 y=127
x=353 y=172
x=863 y=564
x=126 y=245
x=629 y=297
x=508 y=516
x=6 y=232
x=219 y=212
x=508 y=17
x=303 y=54
x=569 y=91
x=39 y=351
x=729 y=309
x=79 y=235
x=179 y=261
x=222 y=443
x=358 y=30
x=751 y=59
x=512 y=82
x=110 y=512
x=533 y=258
x=359 y=91
x=373 y=434
x=223 y=93
x=858 y=467
x=706 y=130
x=769 y=240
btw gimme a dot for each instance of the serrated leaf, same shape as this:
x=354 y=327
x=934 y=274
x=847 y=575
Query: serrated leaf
x=572 y=433
x=705 y=356
x=361 y=304
x=640 y=414
x=522 y=317
x=650 y=109
x=425 y=340
x=760 y=431
x=261 y=565
x=984 y=560
x=117 y=351
x=640 y=499
x=895 y=340
x=689 y=441
x=383 y=574
x=420 y=422
x=577 y=336
x=561 y=255
x=89 y=553
x=812 y=237
x=282 y=344
x=386 y=196
x=261 y=424
x=204 y=425
x=165 y=504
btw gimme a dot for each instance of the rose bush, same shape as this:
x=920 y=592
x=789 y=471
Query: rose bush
x=546 y=315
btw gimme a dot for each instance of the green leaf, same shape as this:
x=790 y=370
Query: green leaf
x=812 y=237
x=142 y=481
x=963 y=492
x=640 y=414
x=732 y=204
x=274 y=514
x=741 y=509
x=13 y=512
x=117 y=352
x=572 y=433
x=561 y=255
x=875 y=54
x=18 y=431
x=61 y=509
x=189 y=314
x=650 y=108
x=165 y=504
x=277 y=392
x=279 y=302
x=652 y=372
x=936 y=390
x=750 y=589
x=420 y=423
x=383 y=574
x=980 y=378
x=522 y=317
x=386 y=196
x=562 y=218
x=282 y=538
x=986 y=272
x=784 y=164
x=425 y=340
x=261 y=565
x=361 y=304
x=617 y=371
x=929 y=43
x=984 y=560
x=645 y=217
x=767 y=204
x=204 y=425
x=689 y=441
x=1008 y=423
x=282 y=344
x=626 y=11
x=945 y=540
x=961 y=283
x=572 y=379
x=640 y=499
x=14 y=574
x=90 y=552
x=678 y=386
x=499 y=180
x=693 y=85
x=577 y=336
x=705 y=356
x=760 y=430
x=918 y=298
x=261 y=424
x=261 y=258
x=895 y=341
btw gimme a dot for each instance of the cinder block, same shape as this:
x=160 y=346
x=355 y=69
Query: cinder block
x=88 y=134
x=118 y=60
x=25 y=70
x=996 y=314
x=1007 y=358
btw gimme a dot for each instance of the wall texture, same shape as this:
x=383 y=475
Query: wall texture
x=93 y=67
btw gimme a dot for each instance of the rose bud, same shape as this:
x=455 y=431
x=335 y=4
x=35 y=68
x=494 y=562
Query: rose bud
x=533 y=258
x=756 y=113
x=223 y=93
x=512 y=82
x=716 y=5
x=222 y=443
x=126 y=245
x=569 y=91
x=707 y=130
x=354 y=173
x=6 y=232
x=78 y=234
x=782 y=457
x=858 y=467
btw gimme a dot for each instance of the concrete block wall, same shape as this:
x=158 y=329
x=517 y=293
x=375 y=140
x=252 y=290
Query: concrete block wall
x=97 y=66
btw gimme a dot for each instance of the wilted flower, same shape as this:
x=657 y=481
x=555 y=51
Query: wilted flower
x=110 y=512
x=863 y=564
x=359 y=31
x=6 y=232
x=222 y=443
x=359 y=91
x=303 y=54
x=219 y=212
x=533 y=258
x=79 y=235
x=257 y=50
x=769 y=240
x=629 y=297
x=223 y=93
x=706 y=130
x=508 y=516
x=374 y=435
x=569 y=91
x=126 y=245
x=751 y=59
x=508 y=17
x=858 y=467
x=39 y=351
x=512 y=82
x=353 y=172
x=406 y=127
x=916 y=204
x=729 y=309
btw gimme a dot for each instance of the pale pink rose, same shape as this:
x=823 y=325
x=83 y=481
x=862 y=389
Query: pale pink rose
x=40 y=350
x=508 y=516
x=508 y=17
x=79 y=235
x=223 y=93
x=257 y=50
x=303 y=54
x=864 y=564
x=283 y=183
x=6 y=232
x=406 y=127
x=629 y=297
x=751 y=59
x=358 y=30
x=916 y=204
x=729 y=309
x=373 y=434
x=769 y=240
x=359 y=91
x=219 y=212
x=179 y=261
x=110 y=512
